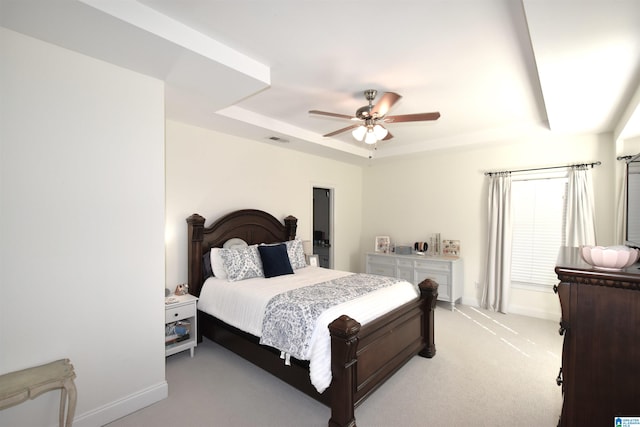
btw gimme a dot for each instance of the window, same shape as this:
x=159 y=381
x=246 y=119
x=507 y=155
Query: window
x=538 y=232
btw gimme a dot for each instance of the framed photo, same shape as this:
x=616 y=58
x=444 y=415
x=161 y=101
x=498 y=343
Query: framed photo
x=313 y=261
x=383 y=244
x=451 y=248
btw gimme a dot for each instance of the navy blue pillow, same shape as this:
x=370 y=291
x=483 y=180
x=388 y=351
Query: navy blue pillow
x=275 y=261
x=207 y=271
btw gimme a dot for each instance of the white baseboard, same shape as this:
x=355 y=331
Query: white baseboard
x=125 y=406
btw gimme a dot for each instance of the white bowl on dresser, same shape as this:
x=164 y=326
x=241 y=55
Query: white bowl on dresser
x=609 y=257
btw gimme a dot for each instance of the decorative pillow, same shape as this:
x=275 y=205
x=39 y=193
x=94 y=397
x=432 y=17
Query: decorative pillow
x=242 y=263
x=217 y=264
x=296 y=254
x=275 y=261
x=206 y=266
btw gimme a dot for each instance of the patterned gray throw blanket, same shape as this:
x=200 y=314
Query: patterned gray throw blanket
x=290 y=317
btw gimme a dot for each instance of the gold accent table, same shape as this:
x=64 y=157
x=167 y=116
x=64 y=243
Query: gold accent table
x=17 y=387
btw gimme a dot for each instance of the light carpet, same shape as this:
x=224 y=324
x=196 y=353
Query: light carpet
x=490 y=370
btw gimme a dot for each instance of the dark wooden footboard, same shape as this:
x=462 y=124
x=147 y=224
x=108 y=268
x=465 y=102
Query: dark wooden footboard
x=363 y=358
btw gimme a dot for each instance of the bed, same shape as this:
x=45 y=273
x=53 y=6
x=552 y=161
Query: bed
x=362 y=356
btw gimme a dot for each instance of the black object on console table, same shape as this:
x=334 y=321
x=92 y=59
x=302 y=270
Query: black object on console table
x=600 y=373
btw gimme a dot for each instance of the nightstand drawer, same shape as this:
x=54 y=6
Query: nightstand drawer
x=181 y=312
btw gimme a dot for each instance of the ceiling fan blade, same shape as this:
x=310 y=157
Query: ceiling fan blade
x=336 y=115
x=335 y=132
x=418 y=117
x=388 y=137
x=385 y=103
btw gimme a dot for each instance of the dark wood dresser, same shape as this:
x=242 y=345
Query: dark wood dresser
x=600 y=373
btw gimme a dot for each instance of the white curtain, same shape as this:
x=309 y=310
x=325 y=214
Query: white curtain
x=621 y=219
x=580 y=223
x=498 y=266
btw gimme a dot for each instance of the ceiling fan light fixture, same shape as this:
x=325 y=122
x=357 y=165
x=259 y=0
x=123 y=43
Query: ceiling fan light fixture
x=358 y=133
x=370 y=131
x=370 y=137
x=380 y=132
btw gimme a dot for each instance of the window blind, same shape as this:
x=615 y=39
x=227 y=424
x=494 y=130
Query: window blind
x=538 y=218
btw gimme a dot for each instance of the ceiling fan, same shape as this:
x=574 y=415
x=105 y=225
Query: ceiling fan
x=372 y=117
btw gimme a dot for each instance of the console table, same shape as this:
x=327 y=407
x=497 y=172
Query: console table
x=601 y=351
x=447 y=272
x=17 y=387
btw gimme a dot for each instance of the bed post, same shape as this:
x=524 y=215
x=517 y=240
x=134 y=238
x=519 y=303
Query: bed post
x=195 y=230
x=429 y=295
x=344 y=343
x=291 y=226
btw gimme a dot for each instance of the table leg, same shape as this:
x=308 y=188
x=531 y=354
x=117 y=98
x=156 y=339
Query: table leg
x=70 y=389
x=63 y=405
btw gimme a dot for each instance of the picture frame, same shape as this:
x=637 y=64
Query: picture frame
x=383 y=244
x=313 y=260
x=451 y=248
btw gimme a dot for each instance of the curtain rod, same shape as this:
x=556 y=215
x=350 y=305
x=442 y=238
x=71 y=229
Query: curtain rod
x=592 y=164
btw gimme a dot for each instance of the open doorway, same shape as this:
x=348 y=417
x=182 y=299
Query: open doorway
x=322 y=230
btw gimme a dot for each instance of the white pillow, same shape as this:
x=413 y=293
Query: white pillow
x=235 y=243
x=217 y=264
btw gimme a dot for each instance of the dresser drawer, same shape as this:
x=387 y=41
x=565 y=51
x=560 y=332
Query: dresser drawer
x=381 y=259
x=441 y=279
x=433 y=265
x=181 y=312
x=382 y=270
x=405 y=263
x=405 y=273
x=444 y=291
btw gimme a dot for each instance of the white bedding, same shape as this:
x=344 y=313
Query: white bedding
x=242 y=305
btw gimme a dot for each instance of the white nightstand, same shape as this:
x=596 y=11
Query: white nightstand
x=183 y=311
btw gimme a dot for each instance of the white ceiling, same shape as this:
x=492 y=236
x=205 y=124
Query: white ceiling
x=494 y=69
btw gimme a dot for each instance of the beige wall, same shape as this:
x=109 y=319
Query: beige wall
x=445 y=192
x=212 y=174
x=82 y=220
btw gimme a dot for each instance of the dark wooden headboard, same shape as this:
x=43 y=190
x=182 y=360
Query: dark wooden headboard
x=251 y=225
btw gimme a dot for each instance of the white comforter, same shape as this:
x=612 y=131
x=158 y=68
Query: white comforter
x=242 y=305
